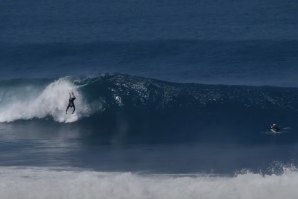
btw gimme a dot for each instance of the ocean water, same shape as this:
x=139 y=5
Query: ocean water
x=174 y=99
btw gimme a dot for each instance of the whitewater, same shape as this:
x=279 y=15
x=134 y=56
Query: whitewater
x=41 y=183
x=50 y=102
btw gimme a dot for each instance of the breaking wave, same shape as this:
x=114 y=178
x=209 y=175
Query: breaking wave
x=122 y=107
x=41 y=103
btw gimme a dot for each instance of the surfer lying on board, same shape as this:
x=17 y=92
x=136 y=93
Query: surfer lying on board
x=275 y=128
x=71 y=102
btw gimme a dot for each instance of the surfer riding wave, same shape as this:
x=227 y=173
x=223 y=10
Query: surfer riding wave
x=71 y=102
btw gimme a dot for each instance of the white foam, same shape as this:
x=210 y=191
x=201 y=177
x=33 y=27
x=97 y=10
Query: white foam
x=42 y=183
x=52 y=101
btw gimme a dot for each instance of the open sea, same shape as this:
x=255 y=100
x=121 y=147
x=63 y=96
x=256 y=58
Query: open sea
x=174 y=99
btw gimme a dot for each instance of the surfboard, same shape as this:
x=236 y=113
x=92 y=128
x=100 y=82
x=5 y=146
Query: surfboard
x=275 y=131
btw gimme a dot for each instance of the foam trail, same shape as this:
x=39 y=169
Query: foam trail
x=52 y=101
x=37 y=183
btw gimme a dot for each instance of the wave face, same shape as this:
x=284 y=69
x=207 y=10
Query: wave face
x=135 y=108
x=17 y=182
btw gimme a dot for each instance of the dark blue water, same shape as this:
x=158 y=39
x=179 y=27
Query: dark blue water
x=249 y=62
x=167 y=87
x=225 y=42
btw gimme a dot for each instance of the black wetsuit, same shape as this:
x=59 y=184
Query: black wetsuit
x=71 y=104
x=275 y=128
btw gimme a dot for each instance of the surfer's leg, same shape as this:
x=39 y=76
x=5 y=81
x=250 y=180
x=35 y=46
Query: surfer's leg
x=74 y=108
x=67 y=108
